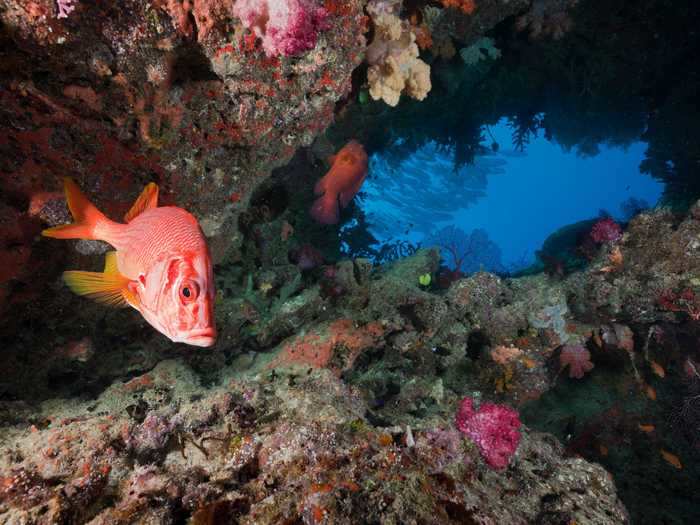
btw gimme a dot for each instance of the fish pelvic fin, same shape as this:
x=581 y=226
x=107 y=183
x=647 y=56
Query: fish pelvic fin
x=147 y=200
x=109 y=287
x=85 y=215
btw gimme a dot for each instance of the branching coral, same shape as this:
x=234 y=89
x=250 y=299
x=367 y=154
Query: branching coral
x=393 y=57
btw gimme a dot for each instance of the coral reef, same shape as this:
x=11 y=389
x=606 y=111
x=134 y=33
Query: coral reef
x=270 y=448
x=339 y=391
x=351 y=397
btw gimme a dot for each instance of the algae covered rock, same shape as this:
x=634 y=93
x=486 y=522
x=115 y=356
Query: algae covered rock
x=269 y=448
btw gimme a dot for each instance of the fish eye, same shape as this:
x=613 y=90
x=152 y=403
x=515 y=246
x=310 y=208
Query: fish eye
x=189 y=291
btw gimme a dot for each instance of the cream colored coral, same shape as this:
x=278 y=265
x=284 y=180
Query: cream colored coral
x=418 y=82
x=504 y=354
x=393 y=58
x=386 y=81
x=387 y=26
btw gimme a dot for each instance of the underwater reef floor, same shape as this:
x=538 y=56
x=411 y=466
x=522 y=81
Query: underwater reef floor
x=345 y=413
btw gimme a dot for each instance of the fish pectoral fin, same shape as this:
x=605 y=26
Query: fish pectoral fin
x=103 y=288
x=109 y=287
x=147 y=200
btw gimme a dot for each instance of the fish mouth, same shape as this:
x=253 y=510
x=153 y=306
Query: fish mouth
x=203 y=337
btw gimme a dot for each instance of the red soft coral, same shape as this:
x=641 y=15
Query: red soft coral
x=494 y=429
x=606 y=230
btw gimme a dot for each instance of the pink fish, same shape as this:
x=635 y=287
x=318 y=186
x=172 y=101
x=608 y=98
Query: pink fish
x=161 y=264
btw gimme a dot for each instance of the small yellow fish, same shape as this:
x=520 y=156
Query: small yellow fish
x=646 y=428
x=671 y=459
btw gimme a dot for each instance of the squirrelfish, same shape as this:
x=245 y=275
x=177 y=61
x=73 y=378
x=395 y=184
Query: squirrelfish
x=341 y=183
x=161 y=264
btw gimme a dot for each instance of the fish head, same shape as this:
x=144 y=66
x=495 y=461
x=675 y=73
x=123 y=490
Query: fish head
x=176 y=296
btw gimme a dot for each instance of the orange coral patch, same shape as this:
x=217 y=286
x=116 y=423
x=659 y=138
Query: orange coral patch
x=467 y=6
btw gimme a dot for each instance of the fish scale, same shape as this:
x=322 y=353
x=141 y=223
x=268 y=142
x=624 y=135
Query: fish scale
x=144 y=240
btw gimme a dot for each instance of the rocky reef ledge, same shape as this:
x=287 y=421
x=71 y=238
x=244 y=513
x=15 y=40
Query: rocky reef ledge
x=275 y=446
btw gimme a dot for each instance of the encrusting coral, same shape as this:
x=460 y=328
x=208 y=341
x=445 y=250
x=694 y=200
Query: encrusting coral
x=393 y=57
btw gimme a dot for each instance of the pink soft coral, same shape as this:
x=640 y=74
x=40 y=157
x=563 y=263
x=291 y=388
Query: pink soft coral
x=494 y=429
x=65 y=7
x=577 y=358
x=286 y=27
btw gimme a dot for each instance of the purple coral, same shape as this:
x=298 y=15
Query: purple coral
x=286 y=27
x=606 y=230
x=577 y=358
x=494 y=428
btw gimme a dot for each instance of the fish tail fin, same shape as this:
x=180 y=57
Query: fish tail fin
x=86 y=216
x=325 y=209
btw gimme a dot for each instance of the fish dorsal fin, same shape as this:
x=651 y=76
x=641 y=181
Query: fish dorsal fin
x=147 y=200
x=109 y=287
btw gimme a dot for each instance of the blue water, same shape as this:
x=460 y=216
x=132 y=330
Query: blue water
x=518 y=197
